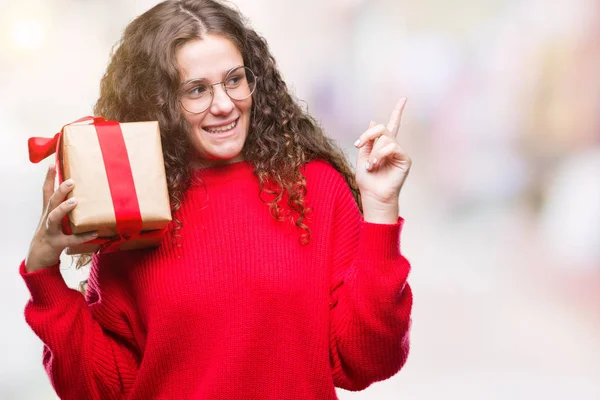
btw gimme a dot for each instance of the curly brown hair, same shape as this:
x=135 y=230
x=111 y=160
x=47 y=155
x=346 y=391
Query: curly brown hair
x=142 y=83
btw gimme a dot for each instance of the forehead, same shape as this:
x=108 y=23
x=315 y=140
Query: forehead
x=208 y=58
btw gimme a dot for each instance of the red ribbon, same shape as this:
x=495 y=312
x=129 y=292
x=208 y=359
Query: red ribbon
x=114 y=244
x=120 y=180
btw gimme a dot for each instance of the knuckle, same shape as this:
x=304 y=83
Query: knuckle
x=56 y=214
x=50 y=220
x=65 y=187
x=57 y=200
x=52 y=200
x=50 y=207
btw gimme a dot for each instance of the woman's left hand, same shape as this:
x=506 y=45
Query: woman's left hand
x=382 y=165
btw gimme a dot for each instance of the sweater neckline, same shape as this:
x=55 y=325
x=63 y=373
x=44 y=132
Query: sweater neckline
x=223 y=172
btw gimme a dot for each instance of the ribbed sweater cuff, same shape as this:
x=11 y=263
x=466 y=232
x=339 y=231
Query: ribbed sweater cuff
x=380 y=241
x=46 y=286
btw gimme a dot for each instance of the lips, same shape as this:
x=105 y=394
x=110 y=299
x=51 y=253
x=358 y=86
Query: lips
x=221 y=128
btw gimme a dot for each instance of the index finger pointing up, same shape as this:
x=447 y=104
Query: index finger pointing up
x=394 y=123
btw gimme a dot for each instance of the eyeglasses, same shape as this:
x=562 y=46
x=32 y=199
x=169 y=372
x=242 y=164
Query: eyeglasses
x=239 y=84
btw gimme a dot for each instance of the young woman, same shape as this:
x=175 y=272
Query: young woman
x=282 y=277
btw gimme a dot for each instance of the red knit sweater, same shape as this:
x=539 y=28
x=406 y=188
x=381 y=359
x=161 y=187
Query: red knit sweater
x=240 y=310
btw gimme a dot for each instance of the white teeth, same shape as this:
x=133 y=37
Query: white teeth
x=223 y=128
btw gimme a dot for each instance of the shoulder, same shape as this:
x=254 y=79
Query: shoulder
x=325 y=183
x=321 y=173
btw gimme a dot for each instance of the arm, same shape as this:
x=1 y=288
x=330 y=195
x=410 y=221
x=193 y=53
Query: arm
x=89 y=349
x=370 y=299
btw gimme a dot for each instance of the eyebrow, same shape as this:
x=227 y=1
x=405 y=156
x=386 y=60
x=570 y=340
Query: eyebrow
x=223 y=74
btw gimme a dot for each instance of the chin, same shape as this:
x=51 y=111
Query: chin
x=210 y=159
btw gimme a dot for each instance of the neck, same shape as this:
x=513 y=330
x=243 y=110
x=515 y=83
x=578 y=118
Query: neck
x=201 y=163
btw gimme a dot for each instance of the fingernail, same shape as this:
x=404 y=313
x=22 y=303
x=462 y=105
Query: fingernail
x=71 y=200
x=374 y=161
x=357 y=142
x=367 y=165
x=51 y=167
x=69 y=182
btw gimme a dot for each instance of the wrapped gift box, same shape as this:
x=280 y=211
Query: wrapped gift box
x=114 y=174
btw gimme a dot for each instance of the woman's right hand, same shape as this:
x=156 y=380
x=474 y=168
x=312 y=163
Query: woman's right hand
x=49 y=240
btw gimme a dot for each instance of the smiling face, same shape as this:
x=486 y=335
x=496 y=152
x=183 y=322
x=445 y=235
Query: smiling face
x=219 y=132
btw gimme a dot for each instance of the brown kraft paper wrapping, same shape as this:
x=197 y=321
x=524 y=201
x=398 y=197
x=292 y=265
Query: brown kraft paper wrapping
x=82 y=161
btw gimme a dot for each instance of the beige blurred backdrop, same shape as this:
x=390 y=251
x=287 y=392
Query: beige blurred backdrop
x=502 y=206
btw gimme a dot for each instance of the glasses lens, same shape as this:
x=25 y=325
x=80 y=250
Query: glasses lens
x=197 y=98
x=240 y=83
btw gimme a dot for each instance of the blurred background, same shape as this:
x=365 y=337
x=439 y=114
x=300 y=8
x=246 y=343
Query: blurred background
x=502 y=206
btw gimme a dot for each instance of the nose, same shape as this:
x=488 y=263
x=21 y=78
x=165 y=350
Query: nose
x=222 y=103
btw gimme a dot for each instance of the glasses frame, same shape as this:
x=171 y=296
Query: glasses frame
x=223 y=84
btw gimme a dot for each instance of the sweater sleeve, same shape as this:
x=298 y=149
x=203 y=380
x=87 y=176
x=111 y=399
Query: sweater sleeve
x=371 y=301
x=89 y=347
